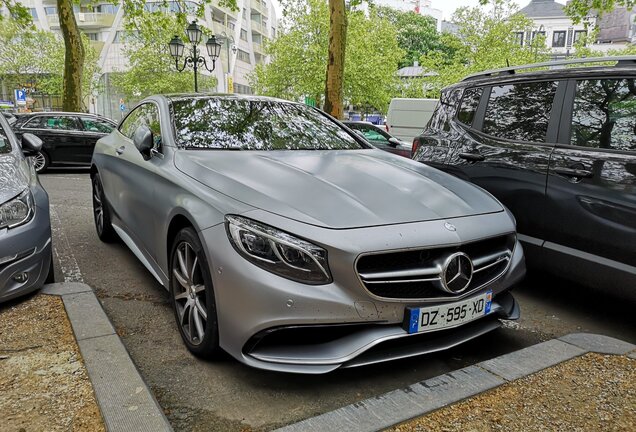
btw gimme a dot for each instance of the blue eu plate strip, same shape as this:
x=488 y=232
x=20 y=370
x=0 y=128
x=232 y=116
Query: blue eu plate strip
x=413 y=320
x=488 y=302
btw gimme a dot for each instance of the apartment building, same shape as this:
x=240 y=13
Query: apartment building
x=242 y=31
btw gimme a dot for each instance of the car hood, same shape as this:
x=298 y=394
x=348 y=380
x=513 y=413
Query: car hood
x=336 y=189
x=14 y=177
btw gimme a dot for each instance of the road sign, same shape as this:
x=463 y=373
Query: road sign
x=20 y=97
x=310 y=101
x=122 y=107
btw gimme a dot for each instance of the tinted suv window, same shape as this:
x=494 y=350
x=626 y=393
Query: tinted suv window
x=469 y=105
x=41 y=122
x=92 y=124
x=604 y=114
x=520 y=112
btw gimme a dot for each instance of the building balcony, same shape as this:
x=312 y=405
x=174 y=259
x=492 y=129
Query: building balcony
x=258 y=48
x=258 y=27
x=86 y=20
x=258 y=6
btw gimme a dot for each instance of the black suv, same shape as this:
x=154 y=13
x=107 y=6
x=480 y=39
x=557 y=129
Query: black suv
x=558 y=148
x=69 y=138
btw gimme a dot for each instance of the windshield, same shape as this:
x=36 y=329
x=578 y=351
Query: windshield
x=5 y=146
x=235 y=124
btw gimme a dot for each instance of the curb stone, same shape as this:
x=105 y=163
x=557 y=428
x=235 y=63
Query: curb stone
x=419 y=399
x=124 y=399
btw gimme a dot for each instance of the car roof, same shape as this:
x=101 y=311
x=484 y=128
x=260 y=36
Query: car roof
x=358 y=122
x=236 y=96
x=624 y=66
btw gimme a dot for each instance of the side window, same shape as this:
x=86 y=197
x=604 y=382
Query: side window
x=66 y=123
x=520 y=112
x=92 y=124
x=604 y=114
x=468 y=106
x=146 y=114
x=40 y=122
x=373 y=135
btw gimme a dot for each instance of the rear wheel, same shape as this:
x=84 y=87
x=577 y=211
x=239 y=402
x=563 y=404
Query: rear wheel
x=193 y=296
x=41 y=162
x=101 y=212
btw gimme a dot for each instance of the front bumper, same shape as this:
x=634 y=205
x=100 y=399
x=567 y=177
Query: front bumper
x=31 y=245
x=273 y=323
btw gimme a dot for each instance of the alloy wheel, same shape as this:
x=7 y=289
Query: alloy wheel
x=98 y=207
x=189 y=293
x=39 y=161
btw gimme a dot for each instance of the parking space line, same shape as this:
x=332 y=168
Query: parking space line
x=63 y=251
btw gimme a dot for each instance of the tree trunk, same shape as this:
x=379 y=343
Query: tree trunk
x=335 y=64
x=73 y=59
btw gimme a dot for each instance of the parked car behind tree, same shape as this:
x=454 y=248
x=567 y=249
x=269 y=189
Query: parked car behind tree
x=68 y=138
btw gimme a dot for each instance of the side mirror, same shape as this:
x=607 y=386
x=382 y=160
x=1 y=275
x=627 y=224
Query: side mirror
x=31 y=145
x=143 y=141
x=394 y=142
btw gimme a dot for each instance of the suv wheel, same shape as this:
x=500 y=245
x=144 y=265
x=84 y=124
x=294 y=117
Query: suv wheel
x=101 y=212
x=192 y=295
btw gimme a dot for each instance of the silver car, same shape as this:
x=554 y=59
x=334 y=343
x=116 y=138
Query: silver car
x=25 y=228
x=285 y=240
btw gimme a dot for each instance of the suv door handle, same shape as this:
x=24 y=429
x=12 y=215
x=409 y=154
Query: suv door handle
x=574 y=172
x=120 y=150
x=473 y=157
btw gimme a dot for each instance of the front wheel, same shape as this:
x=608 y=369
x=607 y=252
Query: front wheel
x=101 y=212
x=193 y=296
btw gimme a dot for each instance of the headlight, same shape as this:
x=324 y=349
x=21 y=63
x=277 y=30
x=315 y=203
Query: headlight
x=18 y=211
x=277 y=251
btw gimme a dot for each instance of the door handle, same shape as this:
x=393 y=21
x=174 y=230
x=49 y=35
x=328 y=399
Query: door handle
x=472 y=157
x=574 y=172
x=120 y=150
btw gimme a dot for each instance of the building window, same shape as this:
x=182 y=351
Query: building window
x=243 y=56
x=579 y=34
x=231 y=25
x=243 y=34
x=242 y=89
x=536 y=33
x=50 y=10
x=273 y=32
x=558 y=39
x=519 y=38
x=92 y=36
x=34 y=13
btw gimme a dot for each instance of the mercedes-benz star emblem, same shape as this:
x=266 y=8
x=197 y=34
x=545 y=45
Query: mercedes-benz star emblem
x=449 y=226
x=456 y=273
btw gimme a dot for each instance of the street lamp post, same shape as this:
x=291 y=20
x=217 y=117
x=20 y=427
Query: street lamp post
x=195 y=60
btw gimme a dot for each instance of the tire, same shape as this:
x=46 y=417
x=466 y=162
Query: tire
x=41 y=162
x=101 y=212
x=192 y=295
x=50 y=277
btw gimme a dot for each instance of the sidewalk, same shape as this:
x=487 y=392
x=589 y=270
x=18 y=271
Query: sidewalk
x=577 y=382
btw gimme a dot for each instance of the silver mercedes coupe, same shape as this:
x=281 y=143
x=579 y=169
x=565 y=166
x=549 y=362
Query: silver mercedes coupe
x=287 y=240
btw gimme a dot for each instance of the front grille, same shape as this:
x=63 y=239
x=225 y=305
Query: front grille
x=415 y=273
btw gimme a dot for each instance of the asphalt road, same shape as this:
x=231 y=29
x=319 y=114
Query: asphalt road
x=225 y=395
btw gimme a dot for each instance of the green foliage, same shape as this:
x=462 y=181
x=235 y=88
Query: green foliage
x=485 y=40
x=579 y=10
x=17 y=12
x=299 y=56
x=36 y=57
x=416 y=34
x=151 y=68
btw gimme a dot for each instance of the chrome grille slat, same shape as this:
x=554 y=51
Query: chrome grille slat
x=414 y=274
x=428 y=271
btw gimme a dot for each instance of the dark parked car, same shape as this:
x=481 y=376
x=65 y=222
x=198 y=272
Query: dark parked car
x=25 y=228
x=558 y=148
x=69 y=138
x=380 y=138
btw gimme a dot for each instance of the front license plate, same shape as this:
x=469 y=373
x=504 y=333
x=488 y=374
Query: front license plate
x=431 y=318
